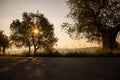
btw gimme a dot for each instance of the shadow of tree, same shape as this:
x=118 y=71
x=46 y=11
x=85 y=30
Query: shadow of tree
x=38 y=68
x=21 y=69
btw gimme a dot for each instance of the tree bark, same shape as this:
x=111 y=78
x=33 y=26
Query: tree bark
x=109 y=40
x=29 y=49
x=3 y=50
x=35 y=51
x=0 y=49
x=29 y=46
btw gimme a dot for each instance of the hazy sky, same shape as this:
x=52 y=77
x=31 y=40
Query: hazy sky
x=54 y=10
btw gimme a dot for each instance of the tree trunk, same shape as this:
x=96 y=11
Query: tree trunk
x=0 y=49
x=109 y=41
x=29 y=49
x=3 y=50
x=35 y=49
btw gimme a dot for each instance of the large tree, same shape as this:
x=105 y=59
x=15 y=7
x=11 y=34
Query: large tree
x=96 y=20
x=4 y=42
x=34 y=30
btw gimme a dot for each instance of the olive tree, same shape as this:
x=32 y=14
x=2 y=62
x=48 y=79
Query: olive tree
x=96 y=20
x=34 y=30
x=4 y=42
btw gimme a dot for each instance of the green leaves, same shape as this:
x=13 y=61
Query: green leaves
x=34 y=30
x=92 y=17
x=4 y=41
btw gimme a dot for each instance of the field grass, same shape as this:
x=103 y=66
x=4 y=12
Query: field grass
x=97 y=53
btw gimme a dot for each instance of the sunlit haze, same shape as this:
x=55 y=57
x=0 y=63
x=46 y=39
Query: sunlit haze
x=54 y=10
x=36 y=31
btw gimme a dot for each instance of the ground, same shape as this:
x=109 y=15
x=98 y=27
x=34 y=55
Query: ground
x=62 y=68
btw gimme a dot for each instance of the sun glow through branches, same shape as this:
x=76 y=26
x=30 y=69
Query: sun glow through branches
x=36 y=31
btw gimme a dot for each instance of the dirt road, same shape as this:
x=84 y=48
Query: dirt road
x=82 y=68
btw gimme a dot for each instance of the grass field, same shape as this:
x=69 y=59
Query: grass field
x=68 y=54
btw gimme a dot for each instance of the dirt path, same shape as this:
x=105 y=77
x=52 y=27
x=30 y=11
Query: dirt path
x=86 y=68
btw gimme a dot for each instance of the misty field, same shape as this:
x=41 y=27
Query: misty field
x=62 y=68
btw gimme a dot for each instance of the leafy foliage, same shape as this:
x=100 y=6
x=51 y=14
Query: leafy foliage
x=34 y=30
x=4 y=42
x=95 y=19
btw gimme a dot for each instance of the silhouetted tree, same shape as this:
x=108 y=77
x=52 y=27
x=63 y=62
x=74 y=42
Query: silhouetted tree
x=4 y=42
x=97 y=20
x=34 y=30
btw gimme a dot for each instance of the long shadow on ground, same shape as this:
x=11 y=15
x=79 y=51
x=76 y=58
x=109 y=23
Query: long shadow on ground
x=21 y=69
x=29 y=68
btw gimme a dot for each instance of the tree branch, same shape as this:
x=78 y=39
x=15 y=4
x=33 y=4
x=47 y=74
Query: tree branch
x=116 y=29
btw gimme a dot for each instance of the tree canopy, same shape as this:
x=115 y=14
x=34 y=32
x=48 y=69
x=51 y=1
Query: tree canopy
x=34 y=30
x=4 y=42
x=96 y=20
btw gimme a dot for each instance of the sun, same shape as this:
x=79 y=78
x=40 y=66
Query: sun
x=36 y=31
